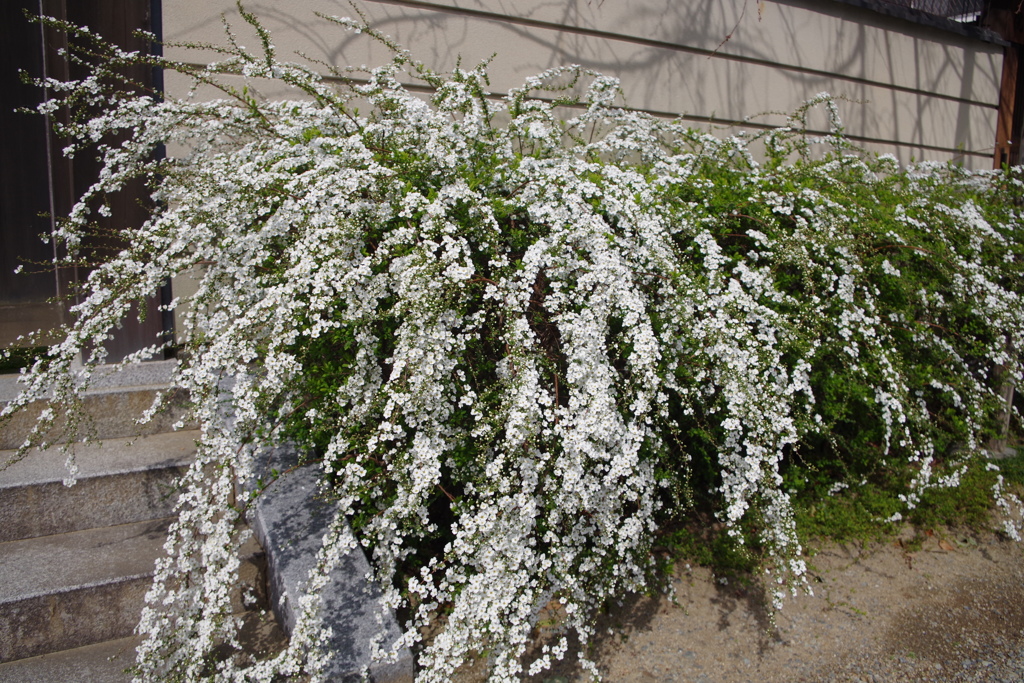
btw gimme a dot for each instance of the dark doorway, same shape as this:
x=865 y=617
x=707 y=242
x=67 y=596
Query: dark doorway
x=37 y=181
x=25 y=299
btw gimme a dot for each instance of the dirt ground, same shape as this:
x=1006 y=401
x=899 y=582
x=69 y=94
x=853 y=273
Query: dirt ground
x=950 y=609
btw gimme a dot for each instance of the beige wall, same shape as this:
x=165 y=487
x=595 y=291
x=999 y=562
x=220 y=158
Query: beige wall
x=914 y=91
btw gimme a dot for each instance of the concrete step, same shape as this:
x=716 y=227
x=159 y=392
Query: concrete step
x=76 y=563
x=119 y=482
x=260 y=637
x=68 y=590
x=100 y=663
x=114 y=401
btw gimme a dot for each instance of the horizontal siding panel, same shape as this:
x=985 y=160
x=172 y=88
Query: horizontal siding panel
x=660 y=80
x=830 y=37
x=179 y=85
x=834 y=38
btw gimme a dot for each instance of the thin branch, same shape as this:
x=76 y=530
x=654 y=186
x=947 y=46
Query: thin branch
x=728 y=37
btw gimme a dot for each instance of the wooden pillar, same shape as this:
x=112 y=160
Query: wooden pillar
x=1008 y=134
x=1005 y=17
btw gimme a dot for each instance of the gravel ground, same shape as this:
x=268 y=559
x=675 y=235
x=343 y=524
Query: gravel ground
x=949 y=610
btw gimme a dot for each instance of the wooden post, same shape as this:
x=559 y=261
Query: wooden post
x=1005 y=18
x=1007 y=150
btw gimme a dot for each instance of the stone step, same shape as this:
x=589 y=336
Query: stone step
x=100 y=663
x=76 y=563
x=120 y=481
x=68 y=590
x=114 y=402
x=106 y=662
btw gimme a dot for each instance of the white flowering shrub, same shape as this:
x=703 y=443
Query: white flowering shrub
x=519 y=335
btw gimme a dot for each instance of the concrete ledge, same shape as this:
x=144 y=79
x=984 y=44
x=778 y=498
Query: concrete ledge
x=289 y=521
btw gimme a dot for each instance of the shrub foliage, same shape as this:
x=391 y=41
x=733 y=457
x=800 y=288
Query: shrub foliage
x=521 y=334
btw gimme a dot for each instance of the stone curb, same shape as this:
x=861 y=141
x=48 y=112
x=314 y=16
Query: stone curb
x=289 y=521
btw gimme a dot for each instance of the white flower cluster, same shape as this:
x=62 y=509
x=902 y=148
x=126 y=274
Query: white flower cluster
x=509 y=343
